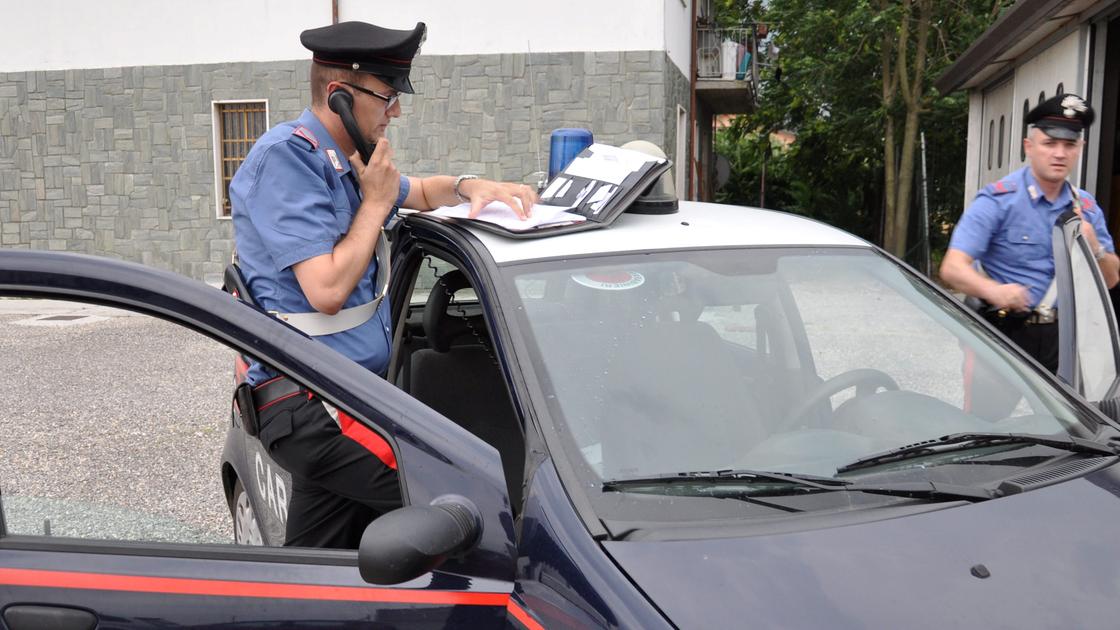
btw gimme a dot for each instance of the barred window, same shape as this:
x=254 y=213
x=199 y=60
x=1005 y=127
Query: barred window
x=237 y=125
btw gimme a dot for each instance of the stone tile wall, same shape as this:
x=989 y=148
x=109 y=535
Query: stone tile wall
x=119 y=161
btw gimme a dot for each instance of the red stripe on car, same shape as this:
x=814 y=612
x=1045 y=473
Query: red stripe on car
x=229 y=588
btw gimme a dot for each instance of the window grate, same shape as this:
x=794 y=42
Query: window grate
x=239 y=126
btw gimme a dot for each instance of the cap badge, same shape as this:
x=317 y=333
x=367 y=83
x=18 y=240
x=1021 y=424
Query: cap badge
x=1072 y=105
x=356 y=66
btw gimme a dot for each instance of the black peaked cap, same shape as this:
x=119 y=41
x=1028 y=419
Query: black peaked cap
x=1063 y=116
x=383 y=52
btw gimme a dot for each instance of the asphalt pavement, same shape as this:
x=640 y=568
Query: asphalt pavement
x=112 y=424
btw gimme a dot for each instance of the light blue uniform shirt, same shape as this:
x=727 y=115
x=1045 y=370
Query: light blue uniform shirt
x=291 y=202
x=1008 y=228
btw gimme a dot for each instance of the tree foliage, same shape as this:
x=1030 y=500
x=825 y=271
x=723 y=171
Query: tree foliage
x=853 y=82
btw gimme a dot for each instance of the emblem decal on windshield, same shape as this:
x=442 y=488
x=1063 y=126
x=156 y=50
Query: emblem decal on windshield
x=610 y=280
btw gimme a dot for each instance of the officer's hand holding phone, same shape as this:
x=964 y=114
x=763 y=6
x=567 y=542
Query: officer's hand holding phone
x=379 y=180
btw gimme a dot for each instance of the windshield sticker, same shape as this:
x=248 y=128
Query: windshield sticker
x=610 y=280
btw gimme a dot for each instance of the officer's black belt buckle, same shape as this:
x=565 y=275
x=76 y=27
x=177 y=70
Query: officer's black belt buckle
x=1004 y=316
x=1042 y=318
x=246 y=407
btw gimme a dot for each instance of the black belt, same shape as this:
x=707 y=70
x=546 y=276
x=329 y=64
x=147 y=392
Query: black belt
x=251 y=400
x=273 y=390
x=1000 y=316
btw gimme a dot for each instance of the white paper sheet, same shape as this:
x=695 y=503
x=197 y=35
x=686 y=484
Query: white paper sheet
x=501 y=214
x=609 y=164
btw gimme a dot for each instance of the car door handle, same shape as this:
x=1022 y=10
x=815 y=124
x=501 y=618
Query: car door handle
x=31 y=617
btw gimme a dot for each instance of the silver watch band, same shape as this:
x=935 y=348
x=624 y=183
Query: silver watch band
x=458 y=193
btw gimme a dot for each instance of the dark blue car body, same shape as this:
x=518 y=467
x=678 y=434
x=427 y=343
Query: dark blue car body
x=1038 y=558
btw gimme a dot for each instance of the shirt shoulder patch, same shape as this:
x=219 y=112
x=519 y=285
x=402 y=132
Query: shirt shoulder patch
x=1087 y=200
x=1001 y=187
x=306 y=137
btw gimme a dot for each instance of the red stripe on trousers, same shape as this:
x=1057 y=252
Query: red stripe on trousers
x=368 y=438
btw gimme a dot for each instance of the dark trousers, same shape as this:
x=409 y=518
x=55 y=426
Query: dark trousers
x=339 y=485
x=1039 y=340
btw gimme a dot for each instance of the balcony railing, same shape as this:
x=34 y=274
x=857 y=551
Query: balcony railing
x=726 y=53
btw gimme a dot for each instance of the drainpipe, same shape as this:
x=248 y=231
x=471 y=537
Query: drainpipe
x=690 y=175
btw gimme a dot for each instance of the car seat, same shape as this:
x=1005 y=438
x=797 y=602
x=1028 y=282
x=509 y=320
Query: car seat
x=458 y=376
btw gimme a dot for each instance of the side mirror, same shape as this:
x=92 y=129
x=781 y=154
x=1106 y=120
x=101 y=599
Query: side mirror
x=411 y=541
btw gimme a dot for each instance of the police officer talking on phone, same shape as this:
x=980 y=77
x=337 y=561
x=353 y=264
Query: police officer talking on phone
x=309 y=203
x=1008 y=229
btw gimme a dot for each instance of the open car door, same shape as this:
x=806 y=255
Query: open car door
x=1089 y=348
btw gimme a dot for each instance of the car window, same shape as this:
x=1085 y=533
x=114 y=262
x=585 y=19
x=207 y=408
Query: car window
x=921 y=354
x=794 y=360
x=448 y=361
x=114 y=425
x=735 y=323
x=1095 y=348
x=431 y=270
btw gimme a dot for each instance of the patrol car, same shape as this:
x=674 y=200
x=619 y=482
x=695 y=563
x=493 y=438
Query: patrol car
x=714 y=418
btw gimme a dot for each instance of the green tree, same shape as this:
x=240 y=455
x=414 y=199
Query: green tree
x=853 y=81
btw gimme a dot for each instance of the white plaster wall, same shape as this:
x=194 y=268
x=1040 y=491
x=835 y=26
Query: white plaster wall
x=63 y=34
x=974 y=148
x=1059 y=63
x=678 y=33
x=511 y=26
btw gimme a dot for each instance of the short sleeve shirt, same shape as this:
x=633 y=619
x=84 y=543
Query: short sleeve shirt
x=294 y=198
x=1008 y=228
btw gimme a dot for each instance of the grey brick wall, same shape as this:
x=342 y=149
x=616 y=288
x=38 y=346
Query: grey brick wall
x=119 y=161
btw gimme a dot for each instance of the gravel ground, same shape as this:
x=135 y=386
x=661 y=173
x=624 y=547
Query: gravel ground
x=113 y=428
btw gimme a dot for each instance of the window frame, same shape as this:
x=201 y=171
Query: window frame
x=216 y=131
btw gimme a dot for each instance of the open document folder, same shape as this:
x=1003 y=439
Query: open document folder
x=499 y=213
x=591 y=192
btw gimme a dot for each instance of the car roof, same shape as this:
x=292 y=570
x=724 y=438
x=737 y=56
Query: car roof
x=695 y=225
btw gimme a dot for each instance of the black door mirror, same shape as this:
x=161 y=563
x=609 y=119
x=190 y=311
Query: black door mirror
x=411 y=541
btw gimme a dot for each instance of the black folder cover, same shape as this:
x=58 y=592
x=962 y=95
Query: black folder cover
x=580 y=188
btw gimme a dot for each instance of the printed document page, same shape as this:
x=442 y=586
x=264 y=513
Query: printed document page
x=501 y=214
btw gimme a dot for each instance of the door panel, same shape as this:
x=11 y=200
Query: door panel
x=1089 y=356
x=113 y=502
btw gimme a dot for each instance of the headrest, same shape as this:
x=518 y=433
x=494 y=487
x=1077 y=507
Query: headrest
x=442 y=327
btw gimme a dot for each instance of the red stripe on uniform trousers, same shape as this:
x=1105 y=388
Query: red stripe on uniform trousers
x=229 y=588
x=368 y=438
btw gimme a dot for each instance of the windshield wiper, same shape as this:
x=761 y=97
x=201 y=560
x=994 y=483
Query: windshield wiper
x=963 y=441
x=736 y=475
x=930 y=490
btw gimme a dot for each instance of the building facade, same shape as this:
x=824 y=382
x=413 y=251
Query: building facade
x=120 y=124
x=1036 y=49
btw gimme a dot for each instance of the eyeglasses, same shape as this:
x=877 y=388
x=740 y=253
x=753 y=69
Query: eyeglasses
x=389 y=100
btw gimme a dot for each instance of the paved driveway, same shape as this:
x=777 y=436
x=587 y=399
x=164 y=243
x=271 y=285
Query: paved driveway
x=112 y=424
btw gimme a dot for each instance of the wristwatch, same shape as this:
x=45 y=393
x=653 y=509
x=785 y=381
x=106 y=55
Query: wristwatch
x=458 y=193
x=1100 y=252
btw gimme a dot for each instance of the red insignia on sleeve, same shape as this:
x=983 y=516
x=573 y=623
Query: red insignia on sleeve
x=306 y=134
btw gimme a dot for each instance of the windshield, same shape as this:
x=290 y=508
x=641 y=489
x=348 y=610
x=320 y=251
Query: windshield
x=792 y=360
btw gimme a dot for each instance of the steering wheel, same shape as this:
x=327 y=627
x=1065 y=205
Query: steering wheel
x=866 y=381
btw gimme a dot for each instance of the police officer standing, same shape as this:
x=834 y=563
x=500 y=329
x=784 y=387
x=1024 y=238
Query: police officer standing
x=1008 y=229
x=308 y=214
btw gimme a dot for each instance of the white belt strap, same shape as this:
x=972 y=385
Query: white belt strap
x=317 y=324
x=1045 y=306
